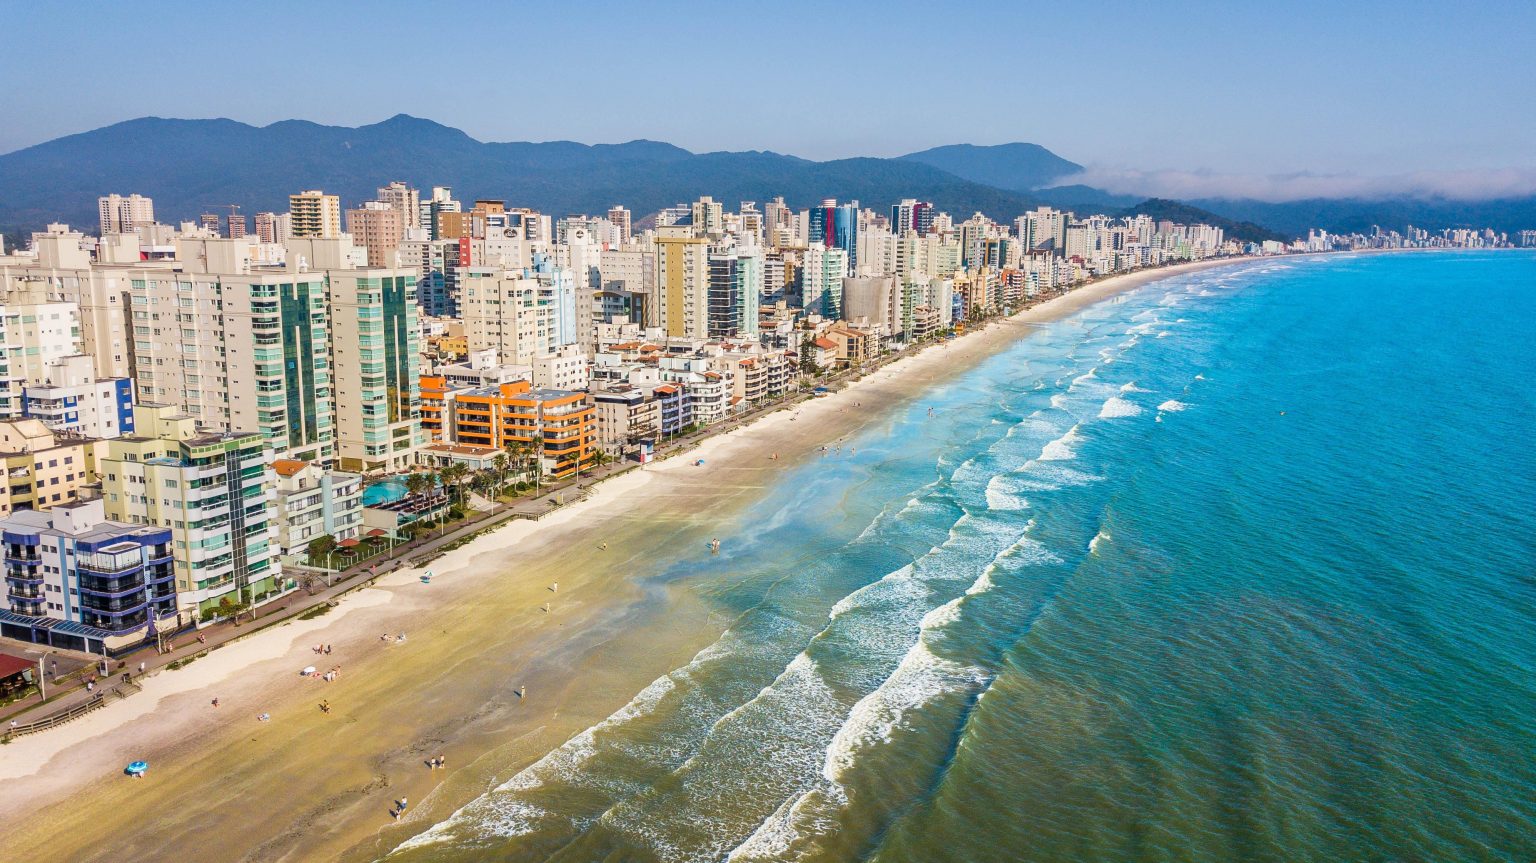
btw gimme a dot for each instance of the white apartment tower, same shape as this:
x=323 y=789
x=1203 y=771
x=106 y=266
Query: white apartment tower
x=120 y=214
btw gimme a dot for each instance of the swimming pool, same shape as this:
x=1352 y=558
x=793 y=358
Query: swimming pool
x=385 y=491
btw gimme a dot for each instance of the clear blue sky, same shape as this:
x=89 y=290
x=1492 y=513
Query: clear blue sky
x=1242 y=88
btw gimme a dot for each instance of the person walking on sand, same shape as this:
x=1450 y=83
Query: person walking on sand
x=215 y=702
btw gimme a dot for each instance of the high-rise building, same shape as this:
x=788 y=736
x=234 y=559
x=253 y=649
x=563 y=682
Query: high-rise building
x=1043 y=228
x=833 y=224
x=680 y=302
x=236 y=226
x=313 y=213
x=735 y=290
x=776 y=216
x=523 y=314
x=209 y=222
x=72 y=398
x=376 y=366
x=238 y=346
x=911 y=215
x=708 y=217
x=431 y=210
x=821 y=273
x=406 y=201
x=212 y=491
x=619 y=217
x=267 y=228
x=122 y=214
x=378 y=227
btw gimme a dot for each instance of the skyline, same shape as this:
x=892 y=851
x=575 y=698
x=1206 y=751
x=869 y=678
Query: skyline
x=1393 y=107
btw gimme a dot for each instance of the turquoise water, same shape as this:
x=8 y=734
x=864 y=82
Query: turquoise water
x=1240 y=566
x=385 y=491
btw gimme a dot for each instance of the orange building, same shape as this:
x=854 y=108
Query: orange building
x=513 y=414
x=434 y=391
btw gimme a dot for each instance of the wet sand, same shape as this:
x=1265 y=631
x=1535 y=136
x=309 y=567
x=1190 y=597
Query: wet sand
x=309 y=785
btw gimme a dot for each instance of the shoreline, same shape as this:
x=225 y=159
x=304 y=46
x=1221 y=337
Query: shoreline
x=399 y=698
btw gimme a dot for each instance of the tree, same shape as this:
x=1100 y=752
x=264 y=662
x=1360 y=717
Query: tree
x=808 y=353
x=417 y=484
x=453 y=475
x=600 y=458
x=320 y=548
x=536 y=457
x=500 y=464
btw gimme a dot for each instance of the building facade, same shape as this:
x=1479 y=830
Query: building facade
x=213 y=491
x=76 y=581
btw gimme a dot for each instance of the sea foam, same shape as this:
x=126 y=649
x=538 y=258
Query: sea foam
x=1118 y=407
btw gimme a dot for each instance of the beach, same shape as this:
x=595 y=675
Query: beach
x=308 y=784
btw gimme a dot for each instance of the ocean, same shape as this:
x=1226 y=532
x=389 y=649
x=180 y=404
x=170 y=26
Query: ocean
x=1240 y=565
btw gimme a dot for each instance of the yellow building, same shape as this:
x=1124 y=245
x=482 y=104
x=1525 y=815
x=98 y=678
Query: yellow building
x=681 y=306
x=42 y=470
x=313 y=213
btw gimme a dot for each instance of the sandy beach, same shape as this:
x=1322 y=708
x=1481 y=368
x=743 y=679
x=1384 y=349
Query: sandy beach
x=313 y=785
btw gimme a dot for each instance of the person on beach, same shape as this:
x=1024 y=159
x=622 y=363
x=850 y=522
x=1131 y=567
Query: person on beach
x=215 y=702
x=141 y=667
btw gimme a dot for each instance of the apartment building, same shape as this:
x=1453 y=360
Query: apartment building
x=561 y=424
x=313 y=213
x=376 y=355
x=76 y=581
x=213 y=491
x=120 y=214
x=42 y=469
x=313 y=502
x=680 y=300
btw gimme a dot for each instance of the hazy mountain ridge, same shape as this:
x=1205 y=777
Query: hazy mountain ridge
x=194 y=166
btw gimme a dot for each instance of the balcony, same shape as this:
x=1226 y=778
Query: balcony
x=89 y=563
x=24 y=558
x=110 y=588
x=113 y=607
x=115 y=623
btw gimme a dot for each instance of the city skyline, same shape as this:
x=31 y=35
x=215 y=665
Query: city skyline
x=1365 y=114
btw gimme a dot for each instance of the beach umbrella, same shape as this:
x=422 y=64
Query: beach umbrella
x=137 y=768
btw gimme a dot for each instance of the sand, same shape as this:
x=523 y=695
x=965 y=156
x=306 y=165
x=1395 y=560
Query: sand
x=309 y=785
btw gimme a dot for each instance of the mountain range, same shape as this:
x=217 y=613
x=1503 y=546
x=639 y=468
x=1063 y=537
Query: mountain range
x=195 y=166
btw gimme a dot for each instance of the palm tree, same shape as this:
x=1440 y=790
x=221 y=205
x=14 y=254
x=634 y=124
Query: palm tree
x=416 y=484
x=600 y=458
x=519 y=456
x=536 y=456
x=453 y=475
x=500 y=463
